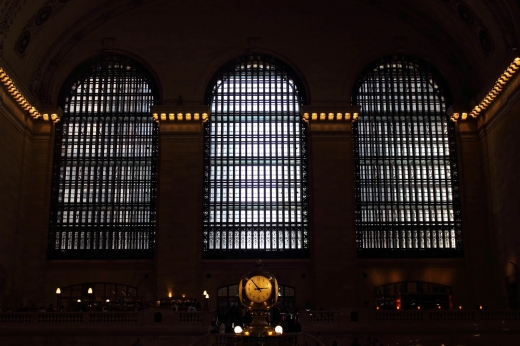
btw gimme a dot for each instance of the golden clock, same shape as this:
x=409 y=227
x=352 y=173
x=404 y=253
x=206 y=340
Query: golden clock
x=258 y=292
x=258 y=288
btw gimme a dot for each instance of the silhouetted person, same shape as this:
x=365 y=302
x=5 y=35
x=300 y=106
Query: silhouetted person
x=355 y=342
x=138 y=342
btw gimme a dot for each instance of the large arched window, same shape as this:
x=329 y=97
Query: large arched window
x=255 y=163
x=407 y=202
x=105 y=163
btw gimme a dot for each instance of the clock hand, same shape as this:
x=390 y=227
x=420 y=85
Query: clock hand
x=257 y=288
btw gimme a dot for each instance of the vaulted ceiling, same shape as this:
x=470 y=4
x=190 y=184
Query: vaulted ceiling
x=471 y=41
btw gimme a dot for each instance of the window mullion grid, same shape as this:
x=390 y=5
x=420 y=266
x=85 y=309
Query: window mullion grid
x=430 y=175
x=227 y=120
x=409 y=81
x=261 y=104
x=280 y=116
x=268 y=160
x=89 y=225
x=280 y=179
x=371 y=169
x=394 y=74
x=428 y=140
x=269 y=226
x=216 y=205
x=381 y=184
x=66 y=183
x=444 y=160
x=410 y=115
x=236 y=156
x=242 y=96
x=427 y=183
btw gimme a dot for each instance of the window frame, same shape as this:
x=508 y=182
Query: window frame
x=246 y=69
x=394 y=111
x=98 y=134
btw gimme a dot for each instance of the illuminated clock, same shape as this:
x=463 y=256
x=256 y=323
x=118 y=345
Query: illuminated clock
x=258 y=292
x=258 y=288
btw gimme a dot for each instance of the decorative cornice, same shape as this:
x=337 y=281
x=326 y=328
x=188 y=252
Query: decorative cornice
x=491 y=96
x=330 y=113
x=17 y=95
x=497 y=88
x=180 y=113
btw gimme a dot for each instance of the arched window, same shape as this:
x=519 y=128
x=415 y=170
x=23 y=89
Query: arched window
x=105 y=163
x=255 y=163
x=407 y=199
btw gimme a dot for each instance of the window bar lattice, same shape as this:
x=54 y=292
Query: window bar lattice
x=255 y=179
x=407 y=199
x=105 y=164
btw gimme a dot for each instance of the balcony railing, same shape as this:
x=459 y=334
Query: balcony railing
x=309 y=320
x=296 y=339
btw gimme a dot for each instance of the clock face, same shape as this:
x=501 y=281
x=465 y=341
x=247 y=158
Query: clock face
x=258 y=289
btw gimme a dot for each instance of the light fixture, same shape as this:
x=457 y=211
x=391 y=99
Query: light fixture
x=205 y=293
x=108 y=300
x=278 y=330
x=238 y=329
x=89 y=295
x=58 y=293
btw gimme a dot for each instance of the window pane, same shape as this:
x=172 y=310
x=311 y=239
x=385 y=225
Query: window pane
x=104 y=181
x=255 y=162
x=406 y=183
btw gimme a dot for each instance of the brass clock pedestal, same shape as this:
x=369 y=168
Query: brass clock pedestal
x=259 y=326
